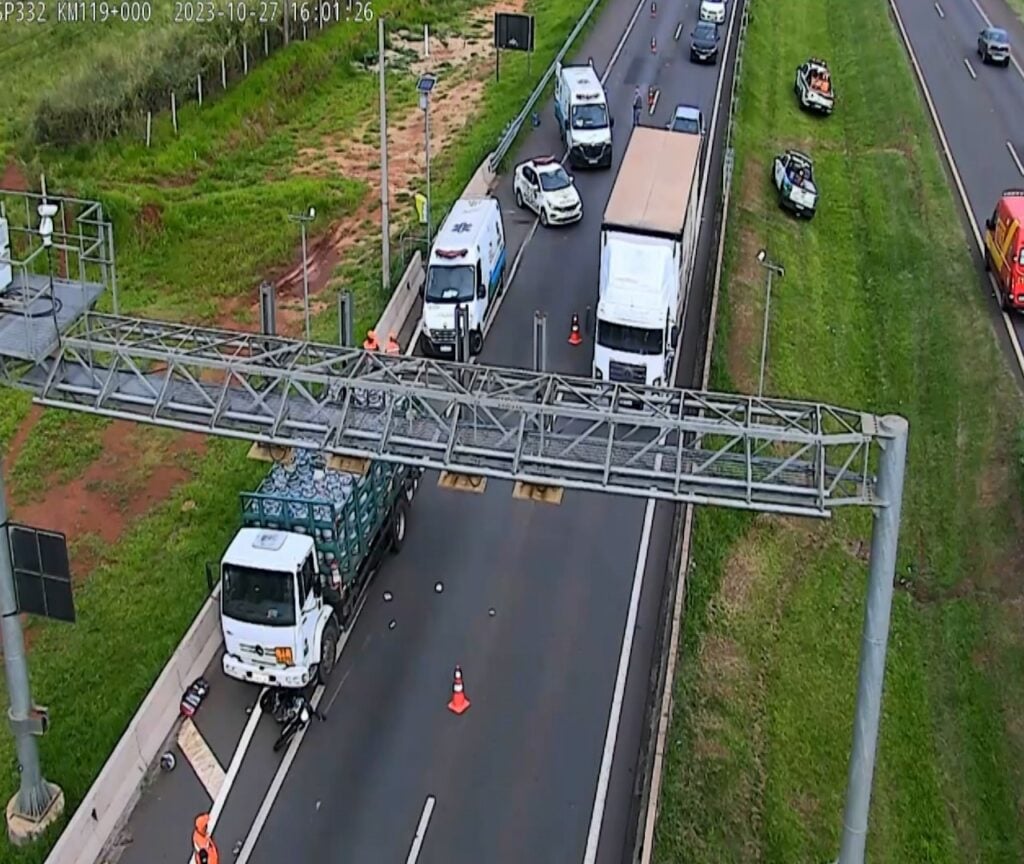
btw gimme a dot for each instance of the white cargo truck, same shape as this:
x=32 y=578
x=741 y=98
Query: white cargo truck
x=466 y=268
x=648 y=242
x=581 y=111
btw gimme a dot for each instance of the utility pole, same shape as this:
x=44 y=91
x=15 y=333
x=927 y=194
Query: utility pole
x=874 y=641
x=772 y=268
x=424 y=86
x=304 y=219
x=37 y=803
x=385 y=187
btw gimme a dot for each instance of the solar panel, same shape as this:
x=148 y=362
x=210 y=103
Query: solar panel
x=42 y=572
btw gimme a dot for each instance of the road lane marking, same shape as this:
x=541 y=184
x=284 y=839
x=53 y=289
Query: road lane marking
x=235 y=766
x=492 y=314
x=293 y=748
x=421 y=831
x=958 y=180
x=201 y=757
x=654 y=102
x=988 y=23
x=938 y=9
x=1016 y=159
x=967 y=63
x=611 y=737
x=679 y=29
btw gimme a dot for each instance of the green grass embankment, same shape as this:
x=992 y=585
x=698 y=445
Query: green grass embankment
x=880 y=309
x=222 y=188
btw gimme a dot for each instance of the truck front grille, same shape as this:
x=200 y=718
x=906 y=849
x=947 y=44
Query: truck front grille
x=442 y=336
x=627 y=373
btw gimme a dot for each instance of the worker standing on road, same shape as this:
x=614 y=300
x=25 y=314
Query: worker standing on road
x=370 y=343
x=203 y=847
x=393 y=346
x=638 y=104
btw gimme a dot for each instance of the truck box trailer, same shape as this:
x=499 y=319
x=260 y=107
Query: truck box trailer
x=311 y=538
x=648 y=243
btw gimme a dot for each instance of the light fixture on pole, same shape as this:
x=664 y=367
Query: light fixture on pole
x=772 y=268
x=424 y=86
x=304 y=219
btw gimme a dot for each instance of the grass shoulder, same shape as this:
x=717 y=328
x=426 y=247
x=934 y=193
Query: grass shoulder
x=880 y=309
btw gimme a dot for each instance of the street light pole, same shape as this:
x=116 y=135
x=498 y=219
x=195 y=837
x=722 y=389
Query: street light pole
x=385 y=186
x=425 y=85
x=304 y=219
x=772 y=268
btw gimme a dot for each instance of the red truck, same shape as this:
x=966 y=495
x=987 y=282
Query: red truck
x=1004 y=248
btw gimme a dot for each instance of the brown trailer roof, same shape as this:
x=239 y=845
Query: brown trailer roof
x=652 y=188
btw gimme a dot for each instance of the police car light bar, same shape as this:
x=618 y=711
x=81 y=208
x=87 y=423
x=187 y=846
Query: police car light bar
x=451 y=253
x=1013 y=193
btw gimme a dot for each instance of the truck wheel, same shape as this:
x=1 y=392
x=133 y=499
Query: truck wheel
x=328 y=650
x=988 y=260
x=1004 y=301
x=397 y=526
x=476 y=341
x=411 y=483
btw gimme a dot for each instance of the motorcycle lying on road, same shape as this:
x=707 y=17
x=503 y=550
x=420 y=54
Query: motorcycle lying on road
x=291 y=709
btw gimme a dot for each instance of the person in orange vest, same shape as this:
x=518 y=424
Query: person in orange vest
x=205 y=850
x=393 y=346
x=370 y=343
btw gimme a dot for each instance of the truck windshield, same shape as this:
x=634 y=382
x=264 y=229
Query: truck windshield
x=634 y=340
x=589 y=117
x=264 y=597
x=449 y=284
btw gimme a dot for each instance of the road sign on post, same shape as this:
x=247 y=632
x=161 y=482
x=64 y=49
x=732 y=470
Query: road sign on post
x=513 y=32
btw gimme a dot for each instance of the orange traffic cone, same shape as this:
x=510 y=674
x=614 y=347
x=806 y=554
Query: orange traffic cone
x=459 y=702
x=654 y=45
x=575 y=338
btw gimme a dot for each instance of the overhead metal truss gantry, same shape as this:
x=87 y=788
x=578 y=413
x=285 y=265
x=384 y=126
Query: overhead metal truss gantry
x=540 y=428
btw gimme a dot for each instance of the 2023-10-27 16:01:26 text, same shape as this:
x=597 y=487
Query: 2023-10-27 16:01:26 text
x=324 y=12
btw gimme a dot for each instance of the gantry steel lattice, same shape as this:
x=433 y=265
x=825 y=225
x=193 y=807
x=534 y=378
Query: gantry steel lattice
x=540 y=428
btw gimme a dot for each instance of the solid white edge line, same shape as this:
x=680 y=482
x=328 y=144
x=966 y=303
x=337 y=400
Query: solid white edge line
x=951 y=162
x=1015 y=158
x=233 y=768
x=611 y=736
x=988 y=23
x=938 y=9
x=421 y=830
x=293 y=748
x=612 y=733
x=970 y=69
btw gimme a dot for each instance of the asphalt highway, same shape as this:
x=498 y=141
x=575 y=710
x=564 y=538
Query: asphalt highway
x=533 y=602
x=980 y=107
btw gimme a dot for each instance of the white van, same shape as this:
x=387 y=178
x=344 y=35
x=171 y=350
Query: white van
x=466 y=267
x=584 y=121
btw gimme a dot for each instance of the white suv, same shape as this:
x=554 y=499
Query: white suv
x=712 y=10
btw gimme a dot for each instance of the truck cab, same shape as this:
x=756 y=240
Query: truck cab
x=278 y=629
x=312 y=537
x=1004 y=249
x=466 y=268
x=584 y=119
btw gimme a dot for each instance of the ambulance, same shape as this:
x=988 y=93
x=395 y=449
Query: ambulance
x=1004 y=249
x=466 y=268
x=584 y=120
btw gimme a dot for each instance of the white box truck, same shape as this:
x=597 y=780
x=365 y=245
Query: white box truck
x=581 y=111
x=466 y=268
x=648 y=242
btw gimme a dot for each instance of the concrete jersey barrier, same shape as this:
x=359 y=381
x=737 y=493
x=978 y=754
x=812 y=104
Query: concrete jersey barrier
x=118 y=787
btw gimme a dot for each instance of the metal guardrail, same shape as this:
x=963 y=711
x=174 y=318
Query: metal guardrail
x=511 y=132
x=729 y=160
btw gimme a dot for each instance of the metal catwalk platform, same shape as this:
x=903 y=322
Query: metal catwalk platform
x=540 y=428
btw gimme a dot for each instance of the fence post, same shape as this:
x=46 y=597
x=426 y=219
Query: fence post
x=223 y=73
x=174 y=112
x=245 y=59
x=199 y=88
x=149 y=127
x=266 y=44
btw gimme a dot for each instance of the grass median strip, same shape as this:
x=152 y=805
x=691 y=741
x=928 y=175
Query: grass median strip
x=143 y=591
x=881 y=309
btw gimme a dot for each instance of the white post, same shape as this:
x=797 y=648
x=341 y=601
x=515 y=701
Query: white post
x=426 y=40
x=149 y=127
x=174 y=113
x=385 y=188
x=199 y=88
x=245 y=59
x=223 y=73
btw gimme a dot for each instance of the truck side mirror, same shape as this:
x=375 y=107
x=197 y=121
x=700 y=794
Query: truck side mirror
x=210 y=582
x=990 y=223
x=611 y=123
x=318 y=585
x=674 y=335
x=481 y=291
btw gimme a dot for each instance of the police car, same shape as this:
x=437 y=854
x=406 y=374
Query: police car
x=712 y=10
x=543 y=185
